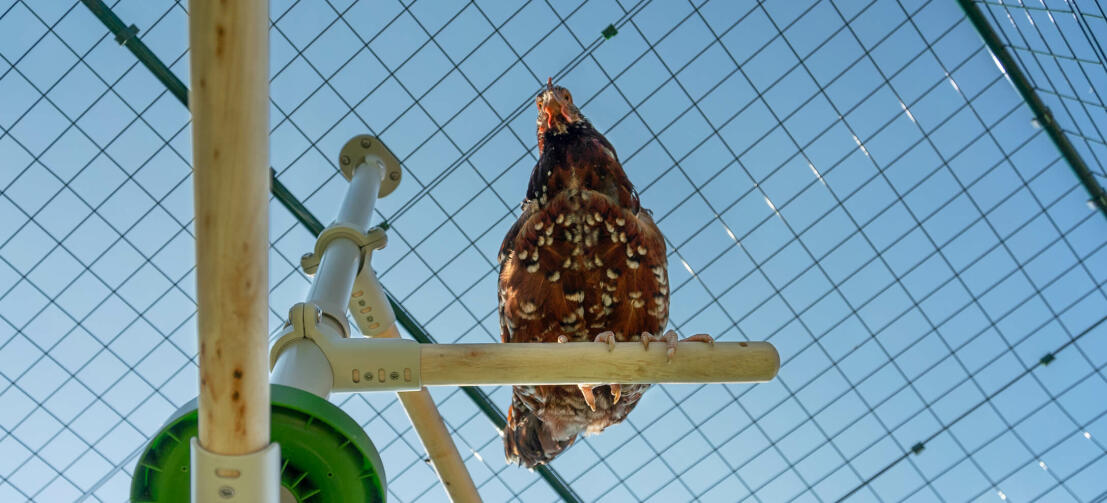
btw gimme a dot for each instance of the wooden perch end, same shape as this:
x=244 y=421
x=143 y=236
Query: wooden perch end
x=592 y=363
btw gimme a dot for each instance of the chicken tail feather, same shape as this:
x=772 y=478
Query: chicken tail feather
x=528 y=442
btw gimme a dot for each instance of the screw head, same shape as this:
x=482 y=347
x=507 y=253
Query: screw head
x=226 y=492
x=394 y=176
x=345 y=160
x=318 y=314
x=366 y=143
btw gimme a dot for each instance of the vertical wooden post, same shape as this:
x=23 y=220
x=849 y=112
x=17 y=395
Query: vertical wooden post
x=229 y=100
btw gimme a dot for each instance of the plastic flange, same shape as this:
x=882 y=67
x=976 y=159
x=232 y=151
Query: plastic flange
x=325 y=456
x=354 y=152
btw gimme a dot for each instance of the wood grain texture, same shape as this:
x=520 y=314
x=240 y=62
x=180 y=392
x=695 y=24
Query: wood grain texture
x=229 y=44
x=592 y=363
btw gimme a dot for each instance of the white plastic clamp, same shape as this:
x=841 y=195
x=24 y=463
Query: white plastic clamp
x=358 y=364
x=375 y=239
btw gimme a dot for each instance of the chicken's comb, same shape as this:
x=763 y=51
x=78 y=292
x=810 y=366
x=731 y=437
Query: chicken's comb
x=549 y=83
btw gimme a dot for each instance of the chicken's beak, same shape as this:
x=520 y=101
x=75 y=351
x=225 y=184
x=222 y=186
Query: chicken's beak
x=555 y=110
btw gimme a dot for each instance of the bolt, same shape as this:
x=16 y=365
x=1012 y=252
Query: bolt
x=226 y=492
x=345 y=160
x=365 y=143
x=394 y=176
x=318 y=314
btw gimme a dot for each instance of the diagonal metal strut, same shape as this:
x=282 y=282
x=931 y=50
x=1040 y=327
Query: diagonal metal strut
x=1041 y=111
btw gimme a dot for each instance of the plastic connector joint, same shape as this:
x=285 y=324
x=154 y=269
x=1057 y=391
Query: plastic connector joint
x=375 y=239
x=369 y=305
x=249 y=477
x=358 y=364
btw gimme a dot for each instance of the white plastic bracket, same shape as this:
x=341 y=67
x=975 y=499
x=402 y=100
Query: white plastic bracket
x=362 y=148
x=358 y=364
x=375 y=239
x=368 y=303
x=253 y=477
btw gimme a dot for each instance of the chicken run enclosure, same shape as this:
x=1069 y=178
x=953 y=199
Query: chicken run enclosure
x=904 y=197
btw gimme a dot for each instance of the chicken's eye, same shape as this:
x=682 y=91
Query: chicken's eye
x=567 y=96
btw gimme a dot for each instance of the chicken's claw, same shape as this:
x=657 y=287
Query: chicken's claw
x=670 y=339
x=700 y=338
x=608 y=337
x=589 y=398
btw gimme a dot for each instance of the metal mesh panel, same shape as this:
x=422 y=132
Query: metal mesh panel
x=1061 y=48
x=856 y=182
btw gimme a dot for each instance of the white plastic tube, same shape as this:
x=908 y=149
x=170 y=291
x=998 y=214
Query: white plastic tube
x=302 y=364
x=334 y=281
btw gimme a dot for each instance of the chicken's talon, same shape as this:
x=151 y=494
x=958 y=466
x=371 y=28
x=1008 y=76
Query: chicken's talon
x=562 y=339
x=609 y=338
x=670 y=339
x=700 y=338
x=589 y=397
x=616 y=392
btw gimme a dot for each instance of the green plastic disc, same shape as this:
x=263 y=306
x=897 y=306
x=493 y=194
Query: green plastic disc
x=325 y=456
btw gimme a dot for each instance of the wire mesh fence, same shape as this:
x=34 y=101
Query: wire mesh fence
x=856 y=182
x=1059 y=46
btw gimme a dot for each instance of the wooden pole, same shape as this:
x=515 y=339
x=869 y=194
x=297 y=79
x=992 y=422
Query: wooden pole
x=229 y=100
x=591 y=363
x=437 y=441
x=440 y=446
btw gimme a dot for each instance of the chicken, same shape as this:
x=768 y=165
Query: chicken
x=583 y=262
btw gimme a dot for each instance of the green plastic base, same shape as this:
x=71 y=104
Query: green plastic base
x=325 y=456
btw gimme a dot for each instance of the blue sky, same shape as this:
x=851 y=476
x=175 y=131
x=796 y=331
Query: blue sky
x=856 y=182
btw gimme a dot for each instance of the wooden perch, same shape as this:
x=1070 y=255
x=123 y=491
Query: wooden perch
x=593 y=363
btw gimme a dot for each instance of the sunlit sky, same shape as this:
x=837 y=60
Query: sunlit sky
x=856 y=182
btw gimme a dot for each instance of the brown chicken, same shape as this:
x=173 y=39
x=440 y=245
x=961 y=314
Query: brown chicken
x=584 y=262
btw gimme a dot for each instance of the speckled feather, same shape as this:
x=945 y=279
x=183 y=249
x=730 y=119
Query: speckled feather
x=583 y=258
